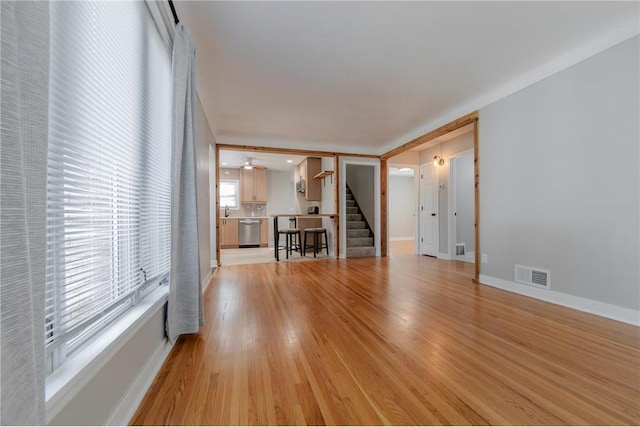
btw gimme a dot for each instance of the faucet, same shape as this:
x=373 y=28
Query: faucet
x=226 y=211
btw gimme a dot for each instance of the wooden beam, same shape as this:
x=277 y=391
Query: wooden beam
x=451 y=126
x=476 y=174
x=383 y=207
x=292 y=151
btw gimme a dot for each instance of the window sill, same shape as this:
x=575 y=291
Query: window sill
x=69 y=379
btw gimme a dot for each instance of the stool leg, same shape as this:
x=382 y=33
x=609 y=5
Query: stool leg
x=286 y=248
x=304 y=246
x=315 y=244
x=326 y=242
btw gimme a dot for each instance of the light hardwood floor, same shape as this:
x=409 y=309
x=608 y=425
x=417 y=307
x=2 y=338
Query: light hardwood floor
x=400 y=340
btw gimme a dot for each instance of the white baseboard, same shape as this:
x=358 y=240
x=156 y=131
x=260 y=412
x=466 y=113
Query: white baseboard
x=214 y=264
x=399 y=239
x=444 y=255
x=206 y=281
x=610 y=311
x=468 y=257
x=126 y=408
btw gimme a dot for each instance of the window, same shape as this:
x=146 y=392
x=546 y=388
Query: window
x=109 y=189
x=230 y=194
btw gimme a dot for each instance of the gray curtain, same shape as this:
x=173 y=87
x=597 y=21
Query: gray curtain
x=184 y=312
x=23 y=173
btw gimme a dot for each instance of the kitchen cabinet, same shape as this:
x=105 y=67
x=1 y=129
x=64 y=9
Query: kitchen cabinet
x=253 y=185
x=228 y=233
x=264 y=233
x=310 y=167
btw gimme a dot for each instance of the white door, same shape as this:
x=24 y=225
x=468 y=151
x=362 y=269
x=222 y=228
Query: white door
x=428 y=210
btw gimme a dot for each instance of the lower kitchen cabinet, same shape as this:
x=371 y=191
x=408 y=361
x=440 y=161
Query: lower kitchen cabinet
x=264 y=233
x=228 y=233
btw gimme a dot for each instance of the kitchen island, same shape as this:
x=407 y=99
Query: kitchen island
x=276 y=235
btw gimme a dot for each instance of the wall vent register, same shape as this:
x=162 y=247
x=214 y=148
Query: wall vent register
x=532 y=276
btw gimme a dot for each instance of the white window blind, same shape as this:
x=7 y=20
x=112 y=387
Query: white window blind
x=108 y=213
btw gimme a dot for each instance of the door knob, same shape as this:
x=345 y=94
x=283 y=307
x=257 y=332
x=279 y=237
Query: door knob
x=433 y=214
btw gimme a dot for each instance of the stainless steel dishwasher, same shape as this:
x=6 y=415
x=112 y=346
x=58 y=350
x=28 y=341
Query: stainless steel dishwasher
x=249 y=233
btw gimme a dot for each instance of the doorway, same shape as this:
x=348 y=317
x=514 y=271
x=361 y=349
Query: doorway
x=403 y=187
x=362 y=226
x=428 y=210
x=462 y=201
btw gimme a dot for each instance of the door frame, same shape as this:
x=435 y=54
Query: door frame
x=422 y=199
x=472 y=117
x=377 y=221
x=416 y=204
x=452 y=228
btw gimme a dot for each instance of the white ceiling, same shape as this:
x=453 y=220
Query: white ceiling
x=365 y=77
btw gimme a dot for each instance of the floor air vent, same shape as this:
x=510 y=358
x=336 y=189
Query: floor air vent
x=532 y=276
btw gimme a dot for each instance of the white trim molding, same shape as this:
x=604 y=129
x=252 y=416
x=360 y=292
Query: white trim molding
x=75 y=373
x=610 y=311
x=128 y=405
x=444 y=255
x=400 y=239
x=207 y=279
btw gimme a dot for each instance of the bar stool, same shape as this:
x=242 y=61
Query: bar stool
x=292 y=238
x=317 y=245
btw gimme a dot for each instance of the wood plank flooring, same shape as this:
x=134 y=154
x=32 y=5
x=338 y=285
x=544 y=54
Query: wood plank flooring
x=400 y=340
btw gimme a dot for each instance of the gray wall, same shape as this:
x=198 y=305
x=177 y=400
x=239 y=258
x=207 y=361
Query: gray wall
x=204 y=139
x=446 y=149
x=465 y=206
x=559 y=179
x=401 y=207
x=360 y=180
x=94 y=404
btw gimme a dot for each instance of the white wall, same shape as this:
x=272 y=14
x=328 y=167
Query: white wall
x=464 y=202
x=120 y=379
x=406 y=158
x=280 y=197
x=559 y=181
x=445 y=150
x=401 y=203
x=327 y=206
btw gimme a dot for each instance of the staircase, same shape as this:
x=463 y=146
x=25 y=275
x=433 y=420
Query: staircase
x=359 y=237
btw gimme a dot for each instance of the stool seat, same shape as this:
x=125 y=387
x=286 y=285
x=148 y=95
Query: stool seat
x=292 y=241
x=317 y=240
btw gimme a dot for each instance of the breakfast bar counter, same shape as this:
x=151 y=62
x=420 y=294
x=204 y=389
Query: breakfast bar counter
x=276 y=236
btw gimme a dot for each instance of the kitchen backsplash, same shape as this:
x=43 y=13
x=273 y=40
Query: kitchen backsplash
x=247 y=210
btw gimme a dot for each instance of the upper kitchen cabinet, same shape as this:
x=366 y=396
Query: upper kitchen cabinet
x=310 y=167
x=253 y=184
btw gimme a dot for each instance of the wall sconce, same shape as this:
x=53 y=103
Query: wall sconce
x=248 y=164
x=437 y=160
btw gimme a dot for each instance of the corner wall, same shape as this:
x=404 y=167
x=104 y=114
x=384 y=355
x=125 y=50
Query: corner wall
x=559 y=184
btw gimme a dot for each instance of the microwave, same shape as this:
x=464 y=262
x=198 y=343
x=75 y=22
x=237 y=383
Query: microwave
x=300 y=186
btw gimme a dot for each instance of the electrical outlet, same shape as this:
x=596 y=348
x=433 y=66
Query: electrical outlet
x=485 y=258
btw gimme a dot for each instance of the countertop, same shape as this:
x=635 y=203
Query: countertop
x=244 y=217
x=299 y=215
